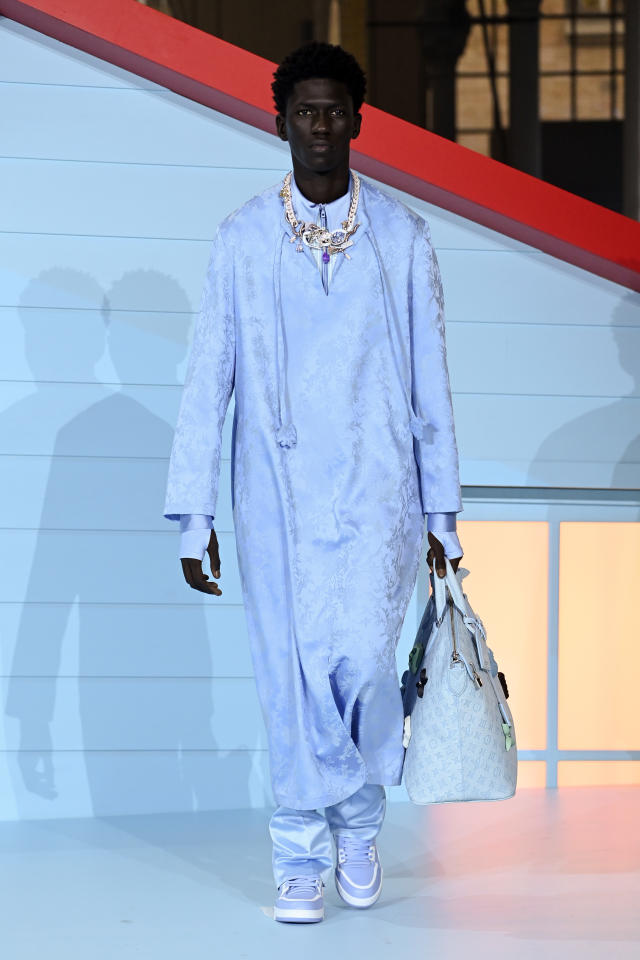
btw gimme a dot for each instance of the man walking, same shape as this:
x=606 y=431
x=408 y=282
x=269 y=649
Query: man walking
x=323 y=308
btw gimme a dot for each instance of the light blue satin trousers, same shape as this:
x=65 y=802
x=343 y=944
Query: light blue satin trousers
x=302 y=839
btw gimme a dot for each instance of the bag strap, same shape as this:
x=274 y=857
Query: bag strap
x=473 y=623
x=455 y=590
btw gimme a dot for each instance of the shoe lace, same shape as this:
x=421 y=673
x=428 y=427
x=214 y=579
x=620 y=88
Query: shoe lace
x=355 y=850
x=303 y=885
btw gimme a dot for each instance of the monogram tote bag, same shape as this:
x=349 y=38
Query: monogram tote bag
x=459 y=731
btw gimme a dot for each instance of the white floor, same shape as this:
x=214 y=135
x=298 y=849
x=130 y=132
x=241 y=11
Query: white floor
x=548 y=874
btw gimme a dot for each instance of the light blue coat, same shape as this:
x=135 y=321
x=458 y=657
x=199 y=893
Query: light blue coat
x=343 y=438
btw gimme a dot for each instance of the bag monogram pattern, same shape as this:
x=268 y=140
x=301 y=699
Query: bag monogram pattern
x=459 y=731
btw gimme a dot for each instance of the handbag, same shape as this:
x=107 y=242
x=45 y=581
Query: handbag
x=459 y=740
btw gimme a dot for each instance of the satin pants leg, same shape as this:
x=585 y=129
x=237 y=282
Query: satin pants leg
x=361 y=814
x=302 y=839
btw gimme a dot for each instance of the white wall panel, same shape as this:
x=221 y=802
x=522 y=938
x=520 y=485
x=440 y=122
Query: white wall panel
x=27 y=56
x=205 y=637
x=134 y=713
x=106 y=274
x=93 y=493
x=104 y=567
x=109 y=783
x=111 y=189
x=91 y=419
x=123 y=200
x=130 y=126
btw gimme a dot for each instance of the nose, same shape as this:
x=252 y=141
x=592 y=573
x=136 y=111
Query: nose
x=321 y=122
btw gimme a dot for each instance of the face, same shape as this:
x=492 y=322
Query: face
x=319 y=123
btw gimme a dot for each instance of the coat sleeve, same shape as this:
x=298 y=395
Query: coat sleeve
x=436 y=450
x=194 y=463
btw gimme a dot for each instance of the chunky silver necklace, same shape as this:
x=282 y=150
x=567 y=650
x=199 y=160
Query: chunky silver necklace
x=316 y=236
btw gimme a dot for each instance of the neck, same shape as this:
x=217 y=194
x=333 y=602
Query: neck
x=321 y=187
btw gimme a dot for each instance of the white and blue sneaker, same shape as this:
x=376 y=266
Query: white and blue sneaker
x=300 y=900
x=358 y=871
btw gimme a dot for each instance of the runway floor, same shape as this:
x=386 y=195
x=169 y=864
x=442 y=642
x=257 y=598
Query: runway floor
x=548 y=874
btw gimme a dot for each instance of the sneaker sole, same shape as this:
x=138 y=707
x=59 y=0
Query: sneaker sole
x=298 y=916
x=359 y=901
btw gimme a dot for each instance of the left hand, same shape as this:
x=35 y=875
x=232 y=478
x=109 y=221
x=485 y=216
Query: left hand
x=436 y=550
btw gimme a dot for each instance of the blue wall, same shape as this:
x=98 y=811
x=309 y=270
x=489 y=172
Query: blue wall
x=122 y=691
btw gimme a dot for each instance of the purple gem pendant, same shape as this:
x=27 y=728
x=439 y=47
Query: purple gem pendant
x=325 y=256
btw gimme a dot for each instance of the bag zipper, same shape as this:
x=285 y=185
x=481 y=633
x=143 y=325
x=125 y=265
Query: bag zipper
x=455 y=656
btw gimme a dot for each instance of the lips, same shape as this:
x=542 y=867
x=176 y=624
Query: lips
x=321 y=145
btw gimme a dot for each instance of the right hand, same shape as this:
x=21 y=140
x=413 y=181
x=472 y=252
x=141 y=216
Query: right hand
x=436 y=553
x=195 y=575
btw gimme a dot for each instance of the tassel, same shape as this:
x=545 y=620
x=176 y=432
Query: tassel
x=417 y=425
x=286 y=435
x=406 y=733
x=508 y=739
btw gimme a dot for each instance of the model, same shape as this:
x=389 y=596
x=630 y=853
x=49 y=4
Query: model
x=323 y=308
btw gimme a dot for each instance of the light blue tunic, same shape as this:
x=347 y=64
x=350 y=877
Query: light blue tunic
x=343 y=438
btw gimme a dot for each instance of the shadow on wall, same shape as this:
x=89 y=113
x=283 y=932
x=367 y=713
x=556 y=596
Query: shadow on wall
x=95 y=550
x=608 y=434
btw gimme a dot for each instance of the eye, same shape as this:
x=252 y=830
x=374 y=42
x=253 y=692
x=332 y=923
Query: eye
x=339 y=110
x=304 y=110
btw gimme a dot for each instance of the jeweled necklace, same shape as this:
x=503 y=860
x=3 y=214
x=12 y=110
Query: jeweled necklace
x=316 y=236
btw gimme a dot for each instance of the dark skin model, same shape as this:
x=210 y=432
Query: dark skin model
x=319 y=125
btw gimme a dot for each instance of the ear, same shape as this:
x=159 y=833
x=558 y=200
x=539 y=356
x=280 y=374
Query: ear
x=281 y=127
x=357 y=120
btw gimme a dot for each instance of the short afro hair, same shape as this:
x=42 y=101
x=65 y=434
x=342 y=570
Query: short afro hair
x=318 y=59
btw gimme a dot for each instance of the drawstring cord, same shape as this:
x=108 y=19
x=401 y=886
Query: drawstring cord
x=286 y=434
x=417 y=424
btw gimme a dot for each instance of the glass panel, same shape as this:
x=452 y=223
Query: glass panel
x=531 y=773
x=473 y=102
x=599 y=657
x=593 y=56
x=591 y=773
x=473 y=57
x=507 y=587
x=620 y=98
x=475 y=141
x=555 y=51
x=594 y=98
x=555 y=102
x=502 y=86
x=553 y=6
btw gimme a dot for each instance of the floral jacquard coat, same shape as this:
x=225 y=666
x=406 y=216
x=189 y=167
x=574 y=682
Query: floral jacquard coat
x=343 y=439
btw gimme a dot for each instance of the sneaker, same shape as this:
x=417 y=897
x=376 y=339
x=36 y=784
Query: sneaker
x=300 y=900
x=358 y=872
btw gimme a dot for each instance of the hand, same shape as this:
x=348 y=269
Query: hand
x=194 y=574
x=436 y=549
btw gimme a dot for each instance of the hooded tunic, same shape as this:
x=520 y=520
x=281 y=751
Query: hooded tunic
x=343 y=439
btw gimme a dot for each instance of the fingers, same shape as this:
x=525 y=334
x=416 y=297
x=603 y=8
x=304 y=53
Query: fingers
x=196 y=578
x=454 y=561
x=441 y=568
x=436 y=551
x=214 y=554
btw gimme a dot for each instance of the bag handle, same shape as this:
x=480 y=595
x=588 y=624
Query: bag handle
x=439 y=588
